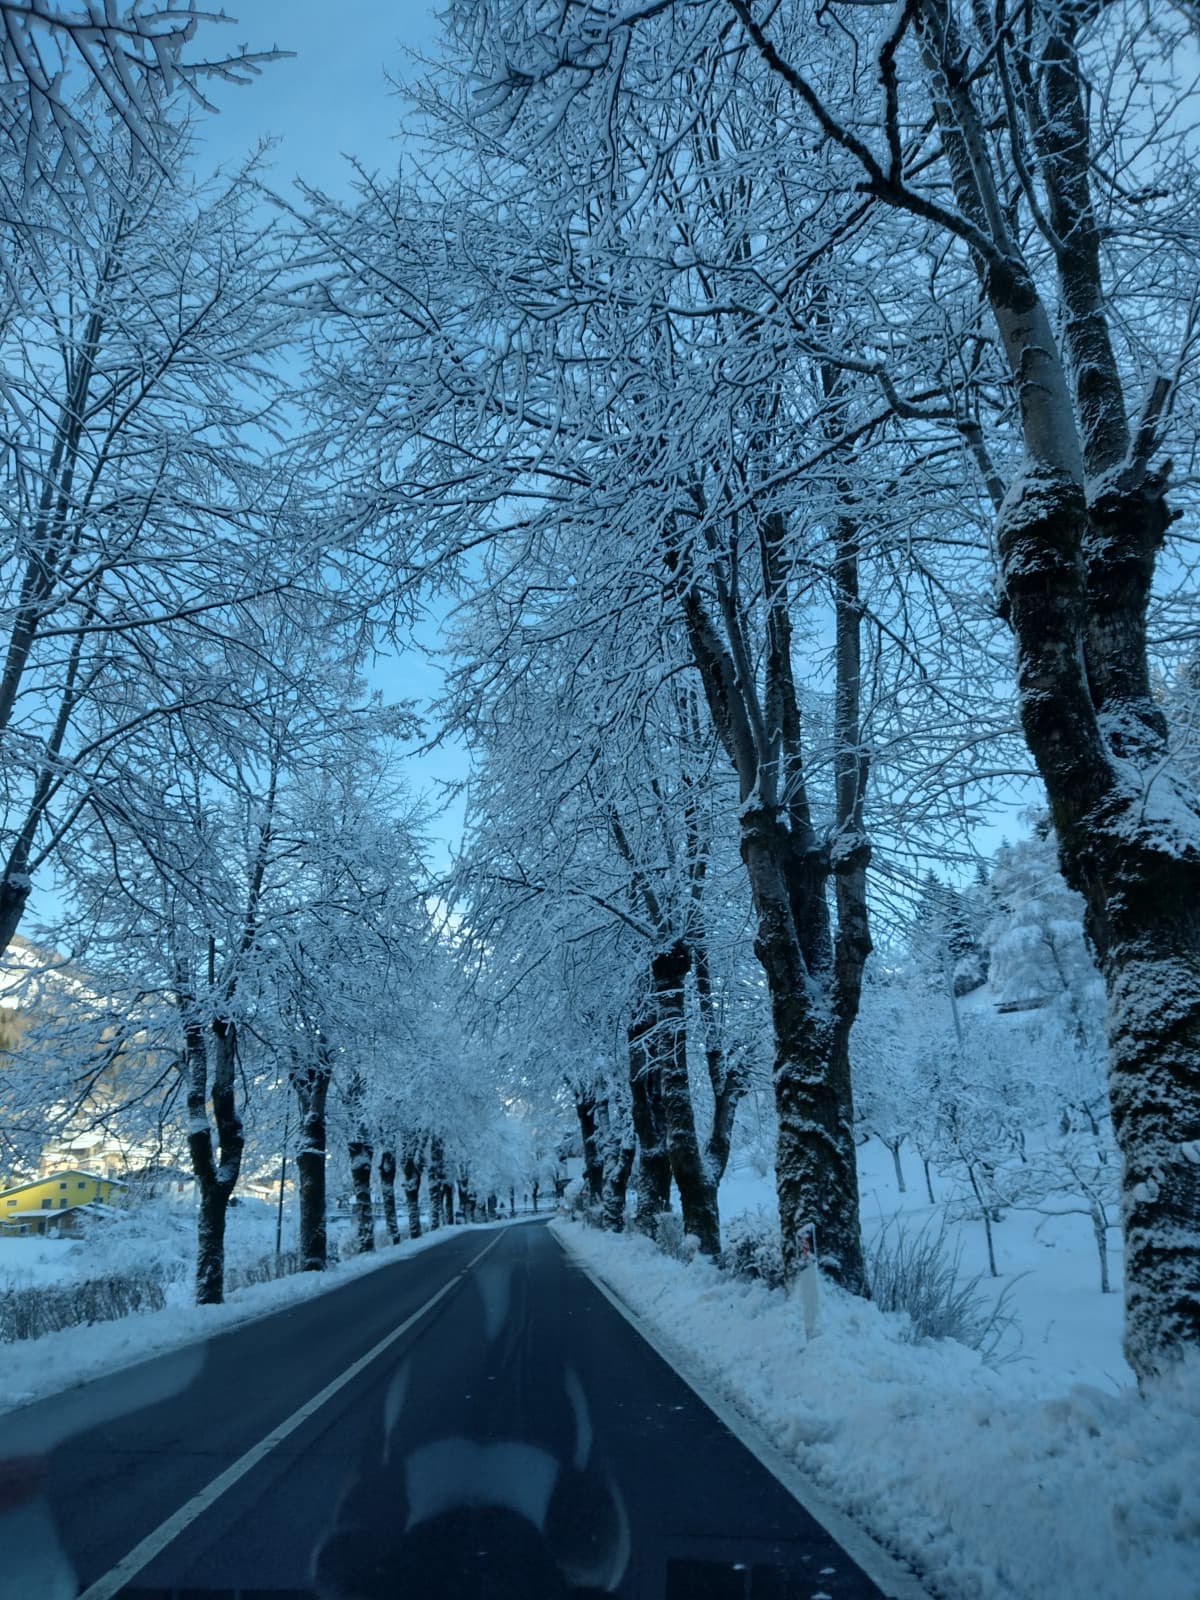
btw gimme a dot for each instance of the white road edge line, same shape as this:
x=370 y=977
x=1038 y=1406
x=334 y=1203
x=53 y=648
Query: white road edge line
x=142 y=1554
x=883 y=1568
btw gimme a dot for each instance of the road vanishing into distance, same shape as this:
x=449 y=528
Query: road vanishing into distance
x=474 y=1422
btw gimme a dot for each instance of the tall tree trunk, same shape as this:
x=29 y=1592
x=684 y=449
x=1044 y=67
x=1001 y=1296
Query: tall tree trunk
x=387 y=1185
x=1078 y=538
x=312 y=1088
x=810 y=973
x=217 y=1175
x=727 y=1077
x=816 y=1171
x=616 y=1184
x=593 y=1161
x=668 y=1043
x=412 y=1164
x=361 y=1160
x=437 y=1183
x=894 y=1146
x=649 y=1123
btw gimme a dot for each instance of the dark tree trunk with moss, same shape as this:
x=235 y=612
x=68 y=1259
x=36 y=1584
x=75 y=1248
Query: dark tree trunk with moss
x=311 y=1083
x=216 y=1175
x=813 y=972
x=616 y=1184
x=411 y=1161
x=387 y=1186
x=362 y=1157
x=593 y=1161
x=649 y=1122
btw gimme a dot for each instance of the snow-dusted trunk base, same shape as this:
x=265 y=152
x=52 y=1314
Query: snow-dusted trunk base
x=215 y=1179
x=438 y=1186
x=661 y=1029
x=649 y=1124
x=697 y=1190
x=211 y=1213
x=387 y=1185
x=815 y=1162
x=361 y=1158
x=312 y=1088
x=616 y=1184
x=412 y=1193
x=314 y=1238
x=1153 y=977
x=1128 y=831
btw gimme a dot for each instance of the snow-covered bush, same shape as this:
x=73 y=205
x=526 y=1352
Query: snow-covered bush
x=752 y=1248
x=27 y=1313
x=920 y=1274
x=267 y=1268
x=667 y=1232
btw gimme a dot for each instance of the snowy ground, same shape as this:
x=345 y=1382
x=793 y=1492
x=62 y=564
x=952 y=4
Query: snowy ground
x=1045 y=1478
x=1011 y=1484
x=1064 y=1329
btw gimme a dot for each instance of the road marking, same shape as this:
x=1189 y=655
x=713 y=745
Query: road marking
x=884 y=1569
x=154 y=1543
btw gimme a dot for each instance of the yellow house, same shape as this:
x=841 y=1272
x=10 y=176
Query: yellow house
x=54 y=1202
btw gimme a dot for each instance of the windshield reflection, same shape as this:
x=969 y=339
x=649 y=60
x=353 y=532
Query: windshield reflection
x=485 y=1465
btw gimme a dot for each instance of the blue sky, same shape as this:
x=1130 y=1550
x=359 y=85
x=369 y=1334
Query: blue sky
x=332 y=99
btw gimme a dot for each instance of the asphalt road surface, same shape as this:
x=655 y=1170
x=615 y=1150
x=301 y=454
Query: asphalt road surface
x=475 y=1422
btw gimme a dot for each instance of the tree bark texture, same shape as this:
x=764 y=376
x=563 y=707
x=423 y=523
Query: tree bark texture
x=437 y=1184
x=667 y=1041
x=1079 y=535
x=387 y=1185
x=813 y=1006
x=362 y=1158
x=727 y=1077
x=649 y=1122
x=411 y=1162
x=593 y=1161
x=216 y=1174
x=616 y=1184
x=312 y=1088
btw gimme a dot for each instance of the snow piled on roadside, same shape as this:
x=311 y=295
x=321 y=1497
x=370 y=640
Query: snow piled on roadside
x=987 y=1487
x=33 y=1368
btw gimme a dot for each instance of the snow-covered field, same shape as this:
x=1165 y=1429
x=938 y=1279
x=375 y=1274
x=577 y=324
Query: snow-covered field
x=1020 y=1483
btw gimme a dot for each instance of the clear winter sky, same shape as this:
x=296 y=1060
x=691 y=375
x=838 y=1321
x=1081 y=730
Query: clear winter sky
x=333 y=99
